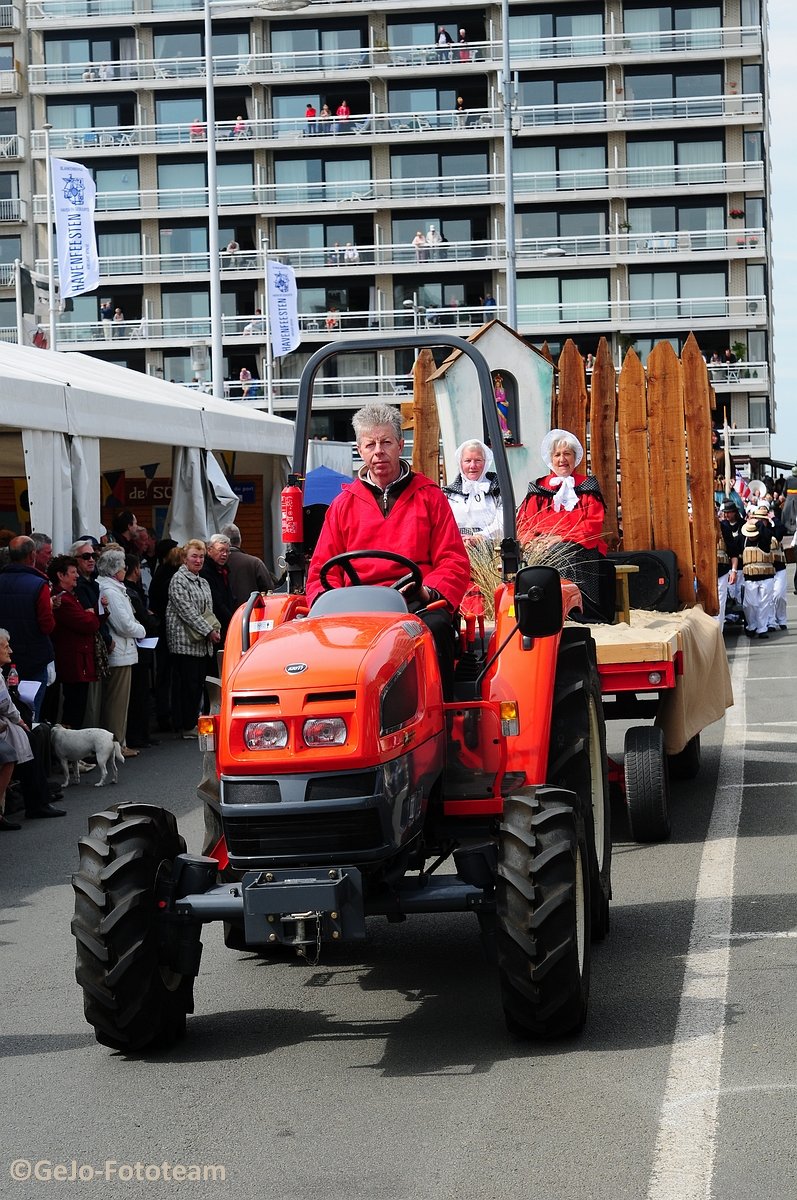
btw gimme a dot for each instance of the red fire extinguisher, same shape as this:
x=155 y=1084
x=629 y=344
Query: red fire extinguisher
x=292 y=513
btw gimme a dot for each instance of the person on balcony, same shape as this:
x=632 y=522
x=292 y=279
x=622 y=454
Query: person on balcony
x=196 y=130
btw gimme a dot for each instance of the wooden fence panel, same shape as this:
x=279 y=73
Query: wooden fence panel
x=571 y=410
x=668 y=492
x=602 y=435
x=632 y=427
x=697 y=412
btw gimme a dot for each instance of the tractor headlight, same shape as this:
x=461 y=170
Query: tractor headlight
x=324 y=731
x=265 y=735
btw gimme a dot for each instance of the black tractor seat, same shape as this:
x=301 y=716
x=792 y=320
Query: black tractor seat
x=359 y=599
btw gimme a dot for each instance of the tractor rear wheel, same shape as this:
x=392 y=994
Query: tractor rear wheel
x=647 y=791
x=130 y=997
x=542 y=913
x=577 y=760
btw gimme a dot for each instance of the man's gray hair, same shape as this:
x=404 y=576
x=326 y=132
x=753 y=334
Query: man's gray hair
x=73 y=549
x=5 y=636
x=41 y=539
x=219 y=539
x=110 y=562
x=20 y=548
x=372 y=415
x=233 y=533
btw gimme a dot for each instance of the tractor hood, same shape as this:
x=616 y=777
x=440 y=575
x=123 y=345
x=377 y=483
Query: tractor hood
x=326 y=651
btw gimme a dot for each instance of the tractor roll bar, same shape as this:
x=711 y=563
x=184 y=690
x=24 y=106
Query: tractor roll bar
x=419 y=341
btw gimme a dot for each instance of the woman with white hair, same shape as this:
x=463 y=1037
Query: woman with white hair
x=563 y=506
x=124 y=629
x=474 y=495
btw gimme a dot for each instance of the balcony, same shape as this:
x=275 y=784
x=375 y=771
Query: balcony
x=590 y=317
x=526 y=53
x=10 y=17
x=12 y=146
x=272 y=132
x=10 y=83
x=362 y=194
x=6 y=275
x=708 y=178
x=13 y=210
x=731 y=110
x=750 y=443
x=739 y=376
x=630 y=247
x=305 y=261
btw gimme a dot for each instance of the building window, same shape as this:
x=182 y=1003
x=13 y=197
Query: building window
x=554 y=168
x=548 y=300
x=663 y=295
x=309 y=180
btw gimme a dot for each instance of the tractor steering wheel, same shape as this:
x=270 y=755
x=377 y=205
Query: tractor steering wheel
x=344 y=561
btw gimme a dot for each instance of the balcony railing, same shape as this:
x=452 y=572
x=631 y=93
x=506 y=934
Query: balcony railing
x=12 y=146
x=750 y=443
x=13 y=210
x=525 y=52
x=601 y=315
x=6 y=274
x=476 y=122
x=10 y=83
x=270 y=130
x=739 y=376
x=537 y=251
x=10 y=17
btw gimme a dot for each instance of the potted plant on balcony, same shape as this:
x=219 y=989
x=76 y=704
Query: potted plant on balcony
x=752 y=240
x=736 y=213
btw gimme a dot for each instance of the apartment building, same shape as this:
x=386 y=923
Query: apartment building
x=344 y=130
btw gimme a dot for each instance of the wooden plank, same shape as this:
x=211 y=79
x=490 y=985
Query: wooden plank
x=571 y=409
x=602 y=436
x=697 y=413
x=426 y=443
x=632 y=434
x=668 y=492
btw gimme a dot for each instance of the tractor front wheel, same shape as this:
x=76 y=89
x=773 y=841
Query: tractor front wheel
x=130 y=996
x=647 y=790
x=543 y=913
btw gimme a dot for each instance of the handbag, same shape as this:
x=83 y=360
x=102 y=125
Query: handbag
x=212 y=620
x=101 y=656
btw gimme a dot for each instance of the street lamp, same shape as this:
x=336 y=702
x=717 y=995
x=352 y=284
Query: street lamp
x=417 y=309
x=216 y=333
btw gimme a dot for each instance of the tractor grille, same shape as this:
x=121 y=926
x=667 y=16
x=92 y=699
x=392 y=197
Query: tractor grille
x=338 y=787
x=303 y=834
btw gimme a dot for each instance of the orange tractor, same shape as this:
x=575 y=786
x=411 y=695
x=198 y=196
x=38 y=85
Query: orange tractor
x=342 y=787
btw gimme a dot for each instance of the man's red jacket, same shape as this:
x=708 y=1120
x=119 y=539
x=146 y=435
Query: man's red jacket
x=420 y=526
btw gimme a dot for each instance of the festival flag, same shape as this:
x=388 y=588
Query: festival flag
x=74 y=196
x=282 y=309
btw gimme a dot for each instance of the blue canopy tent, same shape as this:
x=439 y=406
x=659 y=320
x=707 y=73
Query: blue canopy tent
x=322 y=485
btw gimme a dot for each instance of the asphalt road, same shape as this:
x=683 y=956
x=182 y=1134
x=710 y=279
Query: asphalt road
x=385 y=1072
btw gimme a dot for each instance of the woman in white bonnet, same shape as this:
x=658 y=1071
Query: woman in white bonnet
x=474 y=495
x=563 y=506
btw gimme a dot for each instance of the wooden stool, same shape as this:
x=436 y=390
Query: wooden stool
x=622 y=605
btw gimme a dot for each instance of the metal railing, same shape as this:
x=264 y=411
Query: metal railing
x=13 y=210
x=12 y=146
x=603 y=315
x=10 y=83
x=524 y=51
x=477 y=122
x=742 y=375
x=615 y=247
x=10 y=17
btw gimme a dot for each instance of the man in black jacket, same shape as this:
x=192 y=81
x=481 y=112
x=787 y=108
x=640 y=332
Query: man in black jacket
x=216 y=571
x=26 y=612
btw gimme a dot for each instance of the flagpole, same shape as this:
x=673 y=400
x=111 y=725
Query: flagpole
x=267 y=316
x=50 y=253
x=18 y=298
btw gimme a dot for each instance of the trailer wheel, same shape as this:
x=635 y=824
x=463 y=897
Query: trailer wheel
x=647 y=792
x=686 y=764
x=130 y=997
x=542 y=913
x=577 y=760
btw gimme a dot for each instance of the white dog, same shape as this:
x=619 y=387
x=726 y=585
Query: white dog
x=72 y=745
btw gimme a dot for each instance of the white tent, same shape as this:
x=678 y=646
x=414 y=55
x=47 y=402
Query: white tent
x=66 y=418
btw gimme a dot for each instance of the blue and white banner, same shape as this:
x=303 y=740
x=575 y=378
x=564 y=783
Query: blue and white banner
x=74 y=196
x=283 y=313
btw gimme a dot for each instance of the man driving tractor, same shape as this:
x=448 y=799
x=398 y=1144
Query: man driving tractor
x=390 y=506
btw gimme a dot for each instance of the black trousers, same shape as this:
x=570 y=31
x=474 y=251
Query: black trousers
x=439 y=624
x=189 y=679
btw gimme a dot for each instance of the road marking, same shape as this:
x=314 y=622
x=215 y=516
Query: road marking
x=768 y=724
x=755 y=937
x=781 y=783
x=683 y=1161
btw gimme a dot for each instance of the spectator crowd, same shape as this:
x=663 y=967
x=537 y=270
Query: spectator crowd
x=116 y=633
